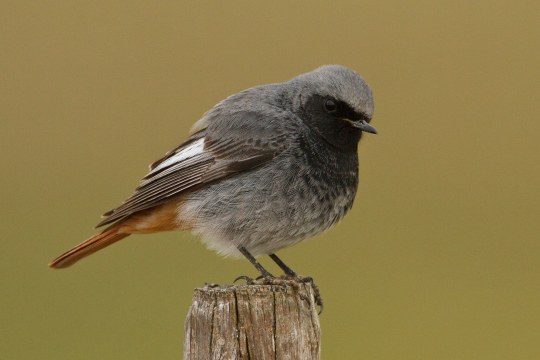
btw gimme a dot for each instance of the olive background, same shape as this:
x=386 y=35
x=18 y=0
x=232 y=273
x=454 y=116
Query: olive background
x=440 y=256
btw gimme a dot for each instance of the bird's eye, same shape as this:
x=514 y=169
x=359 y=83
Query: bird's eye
x=330 y=105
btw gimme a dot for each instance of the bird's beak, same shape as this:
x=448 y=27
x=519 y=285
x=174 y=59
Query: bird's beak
x=363 y=126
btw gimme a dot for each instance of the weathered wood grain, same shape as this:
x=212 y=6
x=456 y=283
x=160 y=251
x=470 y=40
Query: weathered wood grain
x=253 y=322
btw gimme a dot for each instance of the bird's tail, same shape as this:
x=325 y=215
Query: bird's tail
x=97 y=242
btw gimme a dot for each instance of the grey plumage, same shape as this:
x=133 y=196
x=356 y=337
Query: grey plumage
x=266 y=167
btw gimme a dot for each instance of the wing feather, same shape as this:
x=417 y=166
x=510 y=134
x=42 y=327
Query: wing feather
x=200 y=160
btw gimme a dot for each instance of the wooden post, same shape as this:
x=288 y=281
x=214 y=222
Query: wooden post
x=254 y=322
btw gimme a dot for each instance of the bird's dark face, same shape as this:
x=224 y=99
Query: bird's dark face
x=336 y=121
x=337 y=103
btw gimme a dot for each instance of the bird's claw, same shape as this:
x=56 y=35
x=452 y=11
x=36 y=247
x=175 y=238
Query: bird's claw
x=316 y=292
x=248 y=279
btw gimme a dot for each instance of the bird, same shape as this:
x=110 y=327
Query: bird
x=262 y=170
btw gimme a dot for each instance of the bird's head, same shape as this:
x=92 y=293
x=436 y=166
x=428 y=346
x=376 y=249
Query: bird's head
x=336 y=102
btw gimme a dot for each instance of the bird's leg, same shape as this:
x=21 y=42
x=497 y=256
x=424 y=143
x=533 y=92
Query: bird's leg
x=255 y=263
x=288 y=271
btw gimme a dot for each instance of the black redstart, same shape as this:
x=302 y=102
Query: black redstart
x=264 y=169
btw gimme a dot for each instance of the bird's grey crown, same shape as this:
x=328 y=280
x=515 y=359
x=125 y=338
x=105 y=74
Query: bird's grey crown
x=340 y=83
x=336 y=81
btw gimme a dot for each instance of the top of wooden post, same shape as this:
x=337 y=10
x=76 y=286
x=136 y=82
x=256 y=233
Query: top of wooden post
x=253 y=322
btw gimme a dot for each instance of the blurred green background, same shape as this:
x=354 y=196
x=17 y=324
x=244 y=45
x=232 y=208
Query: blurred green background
x=440 y=257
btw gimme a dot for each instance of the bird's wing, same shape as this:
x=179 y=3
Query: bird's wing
x=222 y=149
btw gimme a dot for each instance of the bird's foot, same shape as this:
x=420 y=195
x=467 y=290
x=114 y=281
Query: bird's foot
x=260 y=280
x=247 y=279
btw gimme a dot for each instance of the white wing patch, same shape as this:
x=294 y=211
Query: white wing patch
x=188 y=152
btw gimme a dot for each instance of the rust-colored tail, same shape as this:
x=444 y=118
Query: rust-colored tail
x=90 y=246
x=160 y=218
